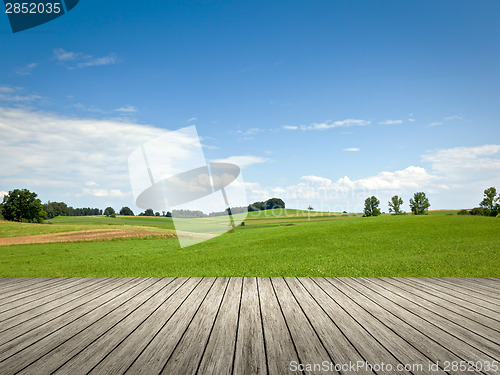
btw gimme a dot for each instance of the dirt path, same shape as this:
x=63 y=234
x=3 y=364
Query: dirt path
x=81 y=235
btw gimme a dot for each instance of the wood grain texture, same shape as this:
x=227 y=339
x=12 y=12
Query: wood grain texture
x=246 y=325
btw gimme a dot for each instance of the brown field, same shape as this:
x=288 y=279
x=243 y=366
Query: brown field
x=81 y=235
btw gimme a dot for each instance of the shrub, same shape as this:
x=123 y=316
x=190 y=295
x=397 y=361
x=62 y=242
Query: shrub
x=477 y=211
x=463 y=212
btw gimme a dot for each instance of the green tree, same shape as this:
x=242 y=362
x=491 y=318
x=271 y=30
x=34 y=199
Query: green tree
x=371 y=206
x=490 y=203
x=419 y=204
x=109 y=211
x=274 y=203
x=126 y=211
x=395 y=205
x=149 y=212
x=310 y=208
x=22 y=205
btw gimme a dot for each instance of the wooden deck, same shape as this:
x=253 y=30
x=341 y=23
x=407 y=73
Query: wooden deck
x=249 y=325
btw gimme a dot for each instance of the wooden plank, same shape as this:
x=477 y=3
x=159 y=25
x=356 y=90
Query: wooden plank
x=33 y=318
x=152 y=359
x=483 y=299
x=14 y=285
x=424 y=322
x=20 y=337
x=52 y=339
x=92 y=352
x=20 y=310
x=488 y=292
x=218 y=356
x=278 y=342
x=187 y=355
x=31 y=291
x=491 y=348
x=471 y=303
x=309 y=347
x=250 y=356
x=60 y=353
x=403 y=352
x=329 y=299
x=432 y=349
x=340 y=349
x=486 y=327
x=124 y=354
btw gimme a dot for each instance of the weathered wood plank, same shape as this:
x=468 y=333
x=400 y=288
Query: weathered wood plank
x=187 y=355
x=250 y=356
x=404 y=328
x=93 y=352
x=279 y=346
x=156 y=354
x=51 y=340
x=484 y=326
x=219 y=353
x=340 y=349
x=32 y=319
x=19 y=309
x=447 y=294
x=407 y=311
x=309 y=347
x=124 y=354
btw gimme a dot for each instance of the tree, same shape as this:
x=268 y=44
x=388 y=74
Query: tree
x=490 y=203
x=395 y=205
x=419 y=204
x=126 y=211
x=109 y=211
x=371 y=206
x=22 y=205
x=310 y=208
x=149 y=212
x=274 y=203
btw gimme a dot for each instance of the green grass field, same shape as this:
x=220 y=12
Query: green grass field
x=291 y=244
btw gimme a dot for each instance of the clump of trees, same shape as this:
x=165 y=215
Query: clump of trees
x=54 y=209
x=371 y=207
x=395 y=205
x=109 y=211
x=22 y=206
x=419 y=204
x=126 y=211
x=267 y=205
x=491 y=202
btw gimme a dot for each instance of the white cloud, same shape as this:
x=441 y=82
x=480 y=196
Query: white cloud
x=103 y=193
x=335 y=124
x=352 y=149
x=290 y=127
x=451 y=118
x=127 y=109
x=435 y=123
x=455 y=178
x=26 y=70
x=460 y=162
x=192 y=119
x=77 y=60
x=242 y=161
x=16 y=95
x=67 y=155
x=3 y=193
x=391 y=122
x=251 y=131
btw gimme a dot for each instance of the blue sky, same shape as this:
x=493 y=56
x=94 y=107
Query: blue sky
x=320 y=102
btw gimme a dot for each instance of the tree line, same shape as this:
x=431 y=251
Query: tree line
x=419 y=205
x=23 y=205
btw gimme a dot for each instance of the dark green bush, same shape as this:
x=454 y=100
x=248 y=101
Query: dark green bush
x=463 y=212
x=478 y=211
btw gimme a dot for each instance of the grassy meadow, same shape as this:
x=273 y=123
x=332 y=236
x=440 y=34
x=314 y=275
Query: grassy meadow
x=284 y=243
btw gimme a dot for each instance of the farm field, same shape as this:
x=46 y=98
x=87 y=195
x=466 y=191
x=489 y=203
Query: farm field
x=287 y=243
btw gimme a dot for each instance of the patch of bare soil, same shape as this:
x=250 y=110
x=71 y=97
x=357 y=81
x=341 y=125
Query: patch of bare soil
x=81 y=235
